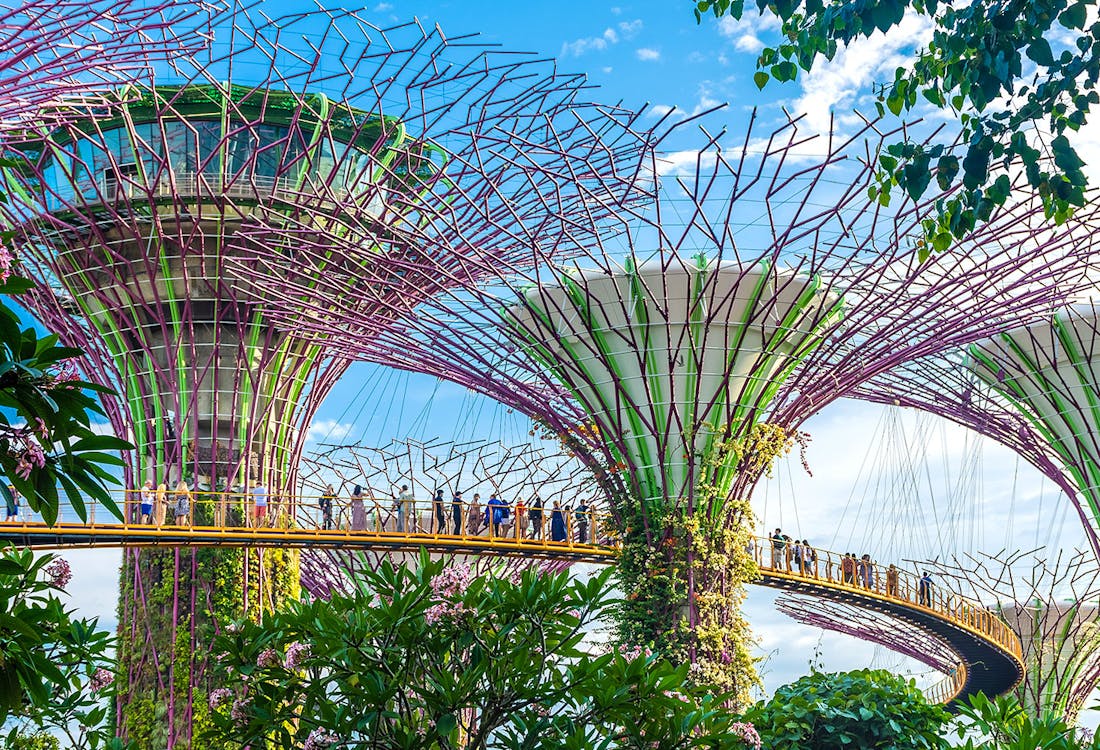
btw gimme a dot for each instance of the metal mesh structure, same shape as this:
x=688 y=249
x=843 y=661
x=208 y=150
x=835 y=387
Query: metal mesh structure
x=330 y=144
x=1051 y=603
x=676 y=354
x=1033 y=388
x=476 y=468
x=73 y=52
x=868 y=625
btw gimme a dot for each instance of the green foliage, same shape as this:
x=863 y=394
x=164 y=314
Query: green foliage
x=1003 y=724
x=53 y=667
x=861 y=710
x=21 y=739
x=46 y=439
x=1004 y=68
x=431 y=658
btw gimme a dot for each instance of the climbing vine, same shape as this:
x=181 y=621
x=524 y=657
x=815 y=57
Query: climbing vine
x=685 y=564
x=173 y=604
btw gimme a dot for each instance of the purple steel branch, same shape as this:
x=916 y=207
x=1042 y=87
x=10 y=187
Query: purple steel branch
x=1051 y=603
x=747 y=208
x=73 y=52
x=871 y=626
x=485 y=466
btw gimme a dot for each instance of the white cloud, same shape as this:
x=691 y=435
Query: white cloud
x=328 y=430
x=657 y=111
x=745 y=32
x=683 y=163
x=611 y=35
x=838 y=83
x=748 y=43
x=382 y=7
x=648 y=54
x=607 y=69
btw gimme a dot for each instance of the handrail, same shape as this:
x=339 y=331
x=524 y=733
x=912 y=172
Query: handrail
x=587 y=533
x=422 y=519
x=788 y=559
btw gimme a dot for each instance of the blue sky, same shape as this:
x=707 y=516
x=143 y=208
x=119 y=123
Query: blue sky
x=653 y=54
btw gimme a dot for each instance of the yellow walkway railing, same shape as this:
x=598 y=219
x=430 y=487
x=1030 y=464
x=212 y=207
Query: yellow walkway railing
x=577 y=532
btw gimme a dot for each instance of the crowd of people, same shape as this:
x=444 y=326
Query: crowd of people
x=457 y=516
x=799 y=556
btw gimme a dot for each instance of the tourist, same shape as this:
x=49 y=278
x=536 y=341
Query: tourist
x=867 y=572
x=924 y=590
x=796 y=552
x=439 y=513
x=534 y=515
x=496 y=511
x=406 y=507
x=12 y=501
x=148 y=498
x=558 y=532
x=160 y=503
x=581 y=515
x=183 y=504
x=520 y=518
x=892 y=581
x=473 y=516
x=458 y=505
x=779 y=545
x=848 y=568
x=358 y=510
x=809 y=554
x=259 y=504
x=325 y=504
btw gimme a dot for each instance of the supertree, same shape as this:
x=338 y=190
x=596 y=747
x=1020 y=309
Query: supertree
x=1033 y=388
x=1052 y=605
x=678 y=356
x=474 y=466
x=292 y=134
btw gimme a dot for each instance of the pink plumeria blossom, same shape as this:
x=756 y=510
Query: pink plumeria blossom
x=748 y=734
x=268 y=658
x=101 y=679
x=320 y=739
x=296 y=654
x=453 y=581
x=240 y=711
x=219 y=697
x=59 y=573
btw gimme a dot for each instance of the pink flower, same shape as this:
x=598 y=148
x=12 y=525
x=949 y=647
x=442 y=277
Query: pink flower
x=6 y=262
x=59 y=573
x=41 y=428
x=319 y=739
x=452 y=581
x=748 y=734
x=239 y=712
x=296 y=654
x=23 y=467
x=219 y=697
x=101 y=678
x=268 y=658
x=35 y=454
x=445 y=611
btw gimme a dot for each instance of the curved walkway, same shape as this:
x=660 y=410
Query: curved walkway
x=988 y=652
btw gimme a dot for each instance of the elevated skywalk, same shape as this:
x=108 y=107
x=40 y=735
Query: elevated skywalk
x=988 y=653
